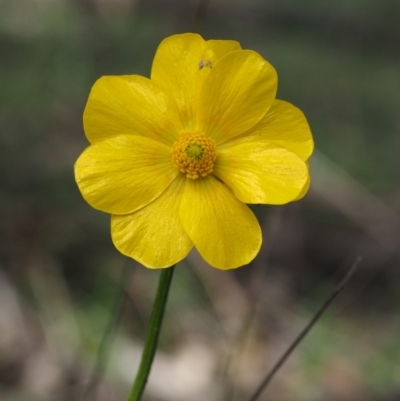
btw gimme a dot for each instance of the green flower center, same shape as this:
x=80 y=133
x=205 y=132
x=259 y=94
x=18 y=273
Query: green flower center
x=195 y=151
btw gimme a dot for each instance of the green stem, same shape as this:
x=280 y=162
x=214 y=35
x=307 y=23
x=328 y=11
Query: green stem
x=152 y=335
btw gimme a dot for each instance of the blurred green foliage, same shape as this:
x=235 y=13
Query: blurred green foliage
x=337 y=61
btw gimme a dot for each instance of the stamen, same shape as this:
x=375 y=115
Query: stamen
x=194 y=154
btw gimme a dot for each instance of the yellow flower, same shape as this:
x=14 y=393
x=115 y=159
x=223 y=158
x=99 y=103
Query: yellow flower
x=175 y=158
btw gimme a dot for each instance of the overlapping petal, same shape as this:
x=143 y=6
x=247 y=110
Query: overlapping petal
x=124 y=173
x=180 y=66
x=223 y=229
x=130 y=104
x=305 y=189
x=222 y=47
x=284 y=125
x=236 y=95
x=261 y=172
x=154 y=235
x=176 y=69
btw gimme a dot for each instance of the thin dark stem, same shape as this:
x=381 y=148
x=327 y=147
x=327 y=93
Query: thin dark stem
x=152 y=335
x=232 y=362
x=106 y=341
x=200 y=15
x=305 y=331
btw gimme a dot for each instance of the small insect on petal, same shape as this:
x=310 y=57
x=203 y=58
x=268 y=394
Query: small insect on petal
x=205 y=63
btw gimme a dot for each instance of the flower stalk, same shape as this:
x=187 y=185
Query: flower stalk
x=152 y=335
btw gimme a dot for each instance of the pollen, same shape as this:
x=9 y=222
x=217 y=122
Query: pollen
x=194 y=154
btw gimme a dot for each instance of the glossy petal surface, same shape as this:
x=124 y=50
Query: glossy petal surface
x=124 y=173
x=235 y=95
x=261 y=172
x=284 y=125
x=305 y=189
x=129 y=104
x=176 y=69
x=154 y=235
x=223 y=47
x=223 y=229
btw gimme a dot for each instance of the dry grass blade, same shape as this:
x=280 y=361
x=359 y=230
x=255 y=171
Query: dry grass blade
x=305 y=331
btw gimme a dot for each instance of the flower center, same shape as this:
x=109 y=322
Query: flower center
x=194 y=154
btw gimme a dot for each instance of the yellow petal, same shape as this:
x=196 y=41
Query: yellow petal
x=124 y=173
x=261 y=172
x=284 y=125
x=305 y=189
x=154 y=235
x=131 y=104
x=177 y=69
x=236 y=94
x=223 y=47
x=223 y=229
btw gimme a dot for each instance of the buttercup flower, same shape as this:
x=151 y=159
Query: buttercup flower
x=175 y=158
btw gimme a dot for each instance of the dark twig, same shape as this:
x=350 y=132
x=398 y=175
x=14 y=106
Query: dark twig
x=200 y=15
x=109 y=333
x=270 y=226
x=305 y=331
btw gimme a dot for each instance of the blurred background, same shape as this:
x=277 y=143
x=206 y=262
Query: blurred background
x=60 y=276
